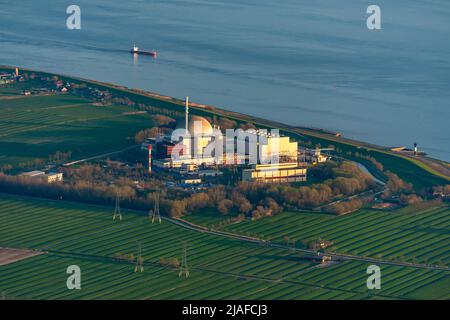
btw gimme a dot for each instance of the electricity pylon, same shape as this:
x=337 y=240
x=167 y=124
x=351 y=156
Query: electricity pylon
x=150 y=214
x=139 y=260
x=117 y=213
x=154 y=214
x=184 y=269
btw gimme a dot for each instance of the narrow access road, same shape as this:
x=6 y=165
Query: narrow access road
x=364 y=169
x=68 y=164
x=338 y=256
x=108 y=259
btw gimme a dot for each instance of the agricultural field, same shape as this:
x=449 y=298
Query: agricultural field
x=114 y=129
x=9 y=255
x=220 y=268
x=15 y=90
x=37 y=126
x=420 y=237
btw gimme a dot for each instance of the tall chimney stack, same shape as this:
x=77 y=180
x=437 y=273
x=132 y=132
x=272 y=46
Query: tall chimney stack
x=149 y=159
x=187 y=114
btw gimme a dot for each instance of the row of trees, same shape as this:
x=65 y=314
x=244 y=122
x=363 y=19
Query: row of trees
x=94 y=184
x=377 y=165
x=57 y=158
x=442 y=191
x=81 y=191
x=260 y=200
x=126 y=101
x=162 y=120
x=344 y=207
x=396 y=186
x=146 y=133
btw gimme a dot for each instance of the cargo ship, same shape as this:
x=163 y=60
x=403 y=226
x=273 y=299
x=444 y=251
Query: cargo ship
x=136 y=50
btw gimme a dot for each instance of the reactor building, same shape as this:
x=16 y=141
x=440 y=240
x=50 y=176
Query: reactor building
x=265 y=156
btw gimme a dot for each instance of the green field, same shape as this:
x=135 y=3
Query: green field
x=422 y=237
x=220 y=268
x=117 y=129
x=37 y=126
x=420 y=175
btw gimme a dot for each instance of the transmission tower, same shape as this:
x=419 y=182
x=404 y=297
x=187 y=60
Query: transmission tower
x=117 y=213
x=154 y=214
x=184 y=269
x=150 y=214
x=139 y=260
x=293 y=246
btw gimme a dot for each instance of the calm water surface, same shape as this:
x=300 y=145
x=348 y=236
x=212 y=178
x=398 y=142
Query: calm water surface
x=302 y=62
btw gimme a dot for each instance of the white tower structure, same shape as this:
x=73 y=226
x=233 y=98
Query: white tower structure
x=187 y=114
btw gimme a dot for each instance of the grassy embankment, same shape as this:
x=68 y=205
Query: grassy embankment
x=410 y=169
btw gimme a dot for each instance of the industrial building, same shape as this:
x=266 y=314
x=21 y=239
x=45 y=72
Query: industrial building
x=315 y=156
x=6 y=78
x=285 y=149
x=274 y=157
x=47 y=177
x=270 y=173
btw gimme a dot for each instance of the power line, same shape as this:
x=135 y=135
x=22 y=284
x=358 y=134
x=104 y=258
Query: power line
x=139 y=260
x=117 y=213
x=155 y=214
x=184 y=268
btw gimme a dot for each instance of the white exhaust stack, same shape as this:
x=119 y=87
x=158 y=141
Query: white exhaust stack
x=187 y=114
x=149 y=159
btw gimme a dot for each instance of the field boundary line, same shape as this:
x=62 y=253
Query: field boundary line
x=242 y=238
x=343 y=256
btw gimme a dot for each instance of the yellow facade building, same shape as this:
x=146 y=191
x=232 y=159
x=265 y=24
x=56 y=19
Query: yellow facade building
x=275 y=173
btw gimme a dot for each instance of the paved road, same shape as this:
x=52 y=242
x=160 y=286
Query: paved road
x=336 y=256
x=100 y=156
x=365 y=170
x=209 y=270
x=372 y=192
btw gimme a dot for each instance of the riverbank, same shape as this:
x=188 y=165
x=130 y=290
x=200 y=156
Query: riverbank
x=422 y=172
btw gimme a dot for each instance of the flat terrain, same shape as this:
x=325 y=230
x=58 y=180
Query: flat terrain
x=37 y=126
x=114 y=128
x=11 y=255
x=419 y=237
x=220 y=268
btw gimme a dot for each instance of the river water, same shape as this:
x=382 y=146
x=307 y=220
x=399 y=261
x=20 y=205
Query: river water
x=303 y=62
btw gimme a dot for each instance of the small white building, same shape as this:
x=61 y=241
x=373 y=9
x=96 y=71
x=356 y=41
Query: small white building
x=192 y=181
x=47 y=177
x=209 y=173
x=163 y=163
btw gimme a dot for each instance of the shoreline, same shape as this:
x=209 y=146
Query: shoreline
x=436 y=167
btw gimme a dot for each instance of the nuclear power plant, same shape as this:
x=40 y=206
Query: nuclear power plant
x=195 y=147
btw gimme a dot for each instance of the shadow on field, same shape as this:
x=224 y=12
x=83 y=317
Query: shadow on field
x=443 y=231
x=296 y=257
